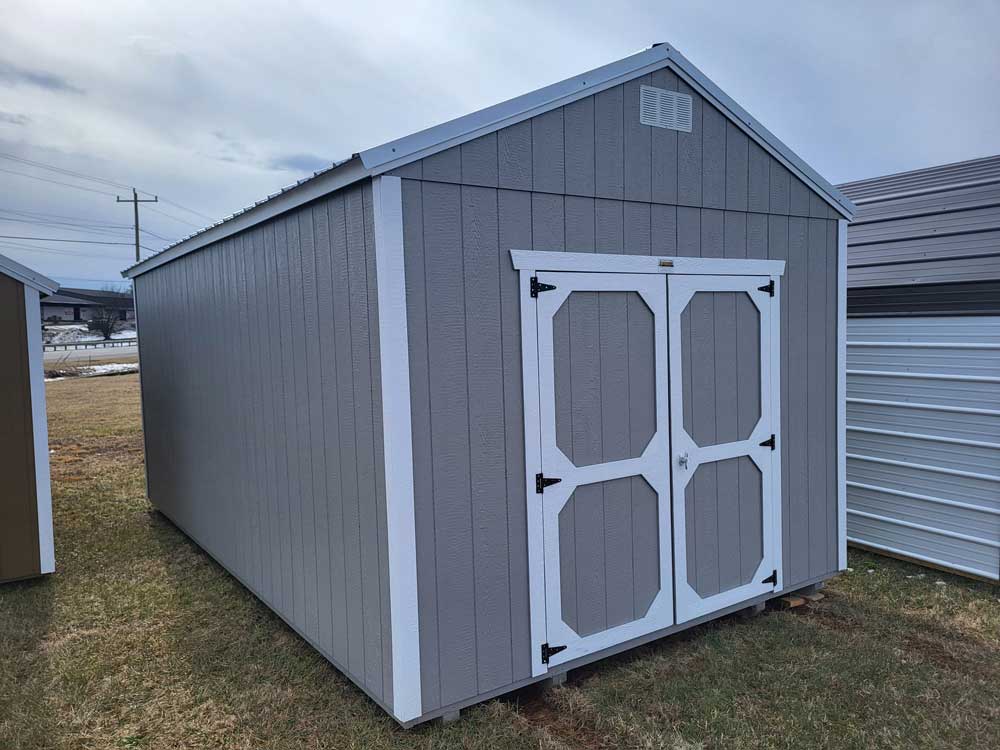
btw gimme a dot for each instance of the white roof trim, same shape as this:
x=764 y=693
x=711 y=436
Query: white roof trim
x=394 y=154
x=26 y=276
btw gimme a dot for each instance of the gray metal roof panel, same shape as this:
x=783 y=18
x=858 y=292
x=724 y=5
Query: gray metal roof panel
x=27 y=276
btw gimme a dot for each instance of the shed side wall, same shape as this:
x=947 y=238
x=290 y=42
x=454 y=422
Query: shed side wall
x=585 y=178
x=18 y=505
x=263 y=419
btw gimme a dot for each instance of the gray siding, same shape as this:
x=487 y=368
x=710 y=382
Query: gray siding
x=930 y=226
x=263 y=418
x=582 y=178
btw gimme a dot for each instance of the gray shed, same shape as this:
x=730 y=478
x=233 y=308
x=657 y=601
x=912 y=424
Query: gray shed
x=514 y=393
x=923 y=378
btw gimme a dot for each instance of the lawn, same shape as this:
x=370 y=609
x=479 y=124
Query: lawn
x=141 y=641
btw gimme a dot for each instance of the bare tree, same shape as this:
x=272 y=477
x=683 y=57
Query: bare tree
x=107 y=318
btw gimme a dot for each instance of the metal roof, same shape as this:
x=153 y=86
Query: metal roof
x=25 y=275
x=394 y=154
x=927 y=226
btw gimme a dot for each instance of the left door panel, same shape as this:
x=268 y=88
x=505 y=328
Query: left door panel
x=601 y=356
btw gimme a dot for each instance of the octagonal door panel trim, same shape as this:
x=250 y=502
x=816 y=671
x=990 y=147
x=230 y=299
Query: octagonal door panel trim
x=591 y=375
x=712 y=534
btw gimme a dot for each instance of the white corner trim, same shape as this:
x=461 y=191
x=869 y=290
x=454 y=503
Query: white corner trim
x=394 y=353
x=545 y=260
x=842 y=394
x=40 y=430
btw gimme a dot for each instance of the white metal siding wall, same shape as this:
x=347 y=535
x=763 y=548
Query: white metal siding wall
x=923 y=439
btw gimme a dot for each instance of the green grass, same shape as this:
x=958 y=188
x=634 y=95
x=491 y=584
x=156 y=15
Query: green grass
x=141 y=641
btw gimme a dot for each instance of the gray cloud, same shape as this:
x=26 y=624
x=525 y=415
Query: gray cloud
x=14 y=76
x=13 y=118
x=299 y=163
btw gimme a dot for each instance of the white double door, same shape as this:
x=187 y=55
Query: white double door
x=655 y=489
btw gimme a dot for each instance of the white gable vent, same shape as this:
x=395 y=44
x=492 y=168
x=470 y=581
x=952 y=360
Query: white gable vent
x=664 y=109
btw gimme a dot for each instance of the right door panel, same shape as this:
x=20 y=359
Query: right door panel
x=724 y=412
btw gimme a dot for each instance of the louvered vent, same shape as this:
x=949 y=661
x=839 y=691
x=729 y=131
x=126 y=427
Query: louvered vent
x=664 y=109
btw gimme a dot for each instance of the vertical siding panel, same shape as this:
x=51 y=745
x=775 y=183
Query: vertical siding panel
x=663 y=148
x=737 y=168
x=480 y=162
x=727 y=382
x=817 y=206
x=580 y=224
x=757 y=236
x=365 y=439
x=514 y=149
x=797 y=297
x=382 y=532
x=713 y=150
x=735 y=240
x=578 y=119
x=488 y=469
x=712 y=233
x=548 y=168
x=420 y=411
x=252 y=403
x=245 y=365
x=780 y=180
x=315 y=220
x=663 y=230
x=689 y=166
x=449 y=406
x=638 y=145
x=759 y=183
x=609 y=149
x=515 y=232
x=548 y=225
x=445 y=166
x=818 y=429
x=303 y=266
x=332 y=289
x=798 y=197
x=345 y=316
x=688 y=232
x=609 y=229
x=638 y=228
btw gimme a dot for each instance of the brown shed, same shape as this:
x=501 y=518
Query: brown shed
x=26 y=546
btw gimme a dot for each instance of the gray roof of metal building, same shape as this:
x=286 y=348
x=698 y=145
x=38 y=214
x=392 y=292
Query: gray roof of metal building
x=396 y=153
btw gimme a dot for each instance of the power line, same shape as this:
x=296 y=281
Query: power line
x=10 y=247
x=57 y=182
x=91 y=227
x=60 y=239
x=100 y=180
x=171 y=216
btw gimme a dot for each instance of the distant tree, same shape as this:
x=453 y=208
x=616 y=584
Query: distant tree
x=107 y=318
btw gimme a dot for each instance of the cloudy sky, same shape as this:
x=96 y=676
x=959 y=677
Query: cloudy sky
x=214 y=105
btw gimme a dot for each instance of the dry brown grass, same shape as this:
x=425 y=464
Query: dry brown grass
x=140 y=640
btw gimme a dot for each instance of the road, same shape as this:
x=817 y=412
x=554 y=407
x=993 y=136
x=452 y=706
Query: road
x=91 y=356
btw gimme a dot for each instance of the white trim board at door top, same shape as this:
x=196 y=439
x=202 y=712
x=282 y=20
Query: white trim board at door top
x=394 y=355
x=546 y=260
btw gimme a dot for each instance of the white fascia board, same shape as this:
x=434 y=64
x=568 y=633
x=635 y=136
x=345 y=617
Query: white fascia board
x=26 y=276
x=40 y=432
x=347 y=173
x=468 y=127
x=394 y=355
x=585 y=262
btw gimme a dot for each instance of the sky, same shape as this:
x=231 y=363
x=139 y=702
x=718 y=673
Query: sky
x=212 y=106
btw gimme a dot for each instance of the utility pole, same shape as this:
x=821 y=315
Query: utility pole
x=135 y=200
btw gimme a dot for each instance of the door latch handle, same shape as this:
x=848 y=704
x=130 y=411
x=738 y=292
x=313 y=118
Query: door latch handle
x=682 y=460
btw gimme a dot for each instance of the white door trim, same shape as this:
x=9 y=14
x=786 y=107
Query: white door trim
x=543 y=260
x=842 y=394
x=682 y=288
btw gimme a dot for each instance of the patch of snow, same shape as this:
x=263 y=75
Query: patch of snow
x=90 y=371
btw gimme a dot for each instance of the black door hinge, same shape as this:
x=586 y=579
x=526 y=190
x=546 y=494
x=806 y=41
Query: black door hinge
x=542 y=481
x=537 y=286
x=772 y=579
x=768 y=287
x=769 y=443
x=548 y=651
